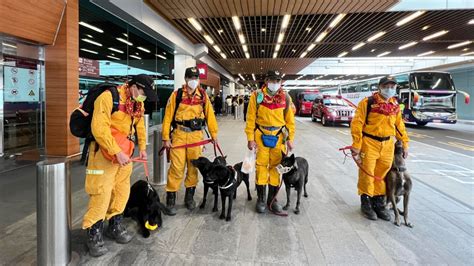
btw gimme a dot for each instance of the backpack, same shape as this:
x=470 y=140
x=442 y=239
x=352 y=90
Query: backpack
x=179 y=97
x=81 y=118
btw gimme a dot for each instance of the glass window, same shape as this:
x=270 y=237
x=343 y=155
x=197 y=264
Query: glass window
x=310 y=97
x=352 y=88
x=364 y=87
x=403 y=81
x=334 y=102
x=433 y=81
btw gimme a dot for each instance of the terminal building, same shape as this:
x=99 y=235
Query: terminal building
x=330 y=56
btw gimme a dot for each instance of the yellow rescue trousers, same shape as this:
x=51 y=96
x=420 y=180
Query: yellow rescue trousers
x=108 y=186
x=267 y=160
x=181 y=158
x=377 y=157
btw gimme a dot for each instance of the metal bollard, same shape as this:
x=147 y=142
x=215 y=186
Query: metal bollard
x=160 y=163
x=53 y=212
x=147 y=126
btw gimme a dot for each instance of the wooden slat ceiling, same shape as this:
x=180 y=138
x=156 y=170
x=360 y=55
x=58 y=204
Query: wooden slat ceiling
x=308 y=20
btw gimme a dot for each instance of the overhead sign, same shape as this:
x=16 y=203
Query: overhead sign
x=202 y=71
x=88 y=67
x=20 y=84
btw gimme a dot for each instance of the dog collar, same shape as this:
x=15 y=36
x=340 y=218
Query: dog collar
x=285 y=169
x=401 y=169
x=232 y=181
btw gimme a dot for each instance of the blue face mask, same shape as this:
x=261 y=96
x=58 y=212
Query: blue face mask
x=388 y=93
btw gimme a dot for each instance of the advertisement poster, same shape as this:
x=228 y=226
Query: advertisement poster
x=20 y=84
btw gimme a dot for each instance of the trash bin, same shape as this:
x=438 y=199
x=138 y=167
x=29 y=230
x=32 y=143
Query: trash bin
x=53 y=212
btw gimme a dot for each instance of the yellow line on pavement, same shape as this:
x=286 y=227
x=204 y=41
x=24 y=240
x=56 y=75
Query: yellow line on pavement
x=458 y=145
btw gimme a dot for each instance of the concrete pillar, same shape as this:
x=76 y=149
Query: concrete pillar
x=181 y=62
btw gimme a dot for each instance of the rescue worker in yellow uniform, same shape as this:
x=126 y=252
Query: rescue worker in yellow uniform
x=108 y=180
x=188 y=119
x=373 y=145
x=269 y=114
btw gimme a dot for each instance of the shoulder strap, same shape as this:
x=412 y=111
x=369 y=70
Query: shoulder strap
x=179 y=97
x=287 y=100
x=370 y=101
x=115 y=98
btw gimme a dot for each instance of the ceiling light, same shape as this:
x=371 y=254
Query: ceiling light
x=359 y=45
x=407 y=45
x=209 y=39
x=280 y=37
x=143 y=49
x=286 y=20
x=137 y=53
x=376 y=36
x=247 y=55
x=195 y=24
x=311 y=47
x=90 y=36
x=113 y=57
x=246 y=49
x=373 y=50
x=410 y=18
x=435 y=35
x=277 y=47
x=224 y=56
x=91 y=41
x=160 y=56
x=337 y=20
x=217 y=48
x=136 y=57
x=383 y=54
x=426 y=27
x=263 y=51
x=465 y=49
x=89 y=51
x=253 y=76
x=175 y=52
x=342 y=54
x=115 y=50
x=241 y=77
x=242 y=38
x=321 y=36
x=87 y=25
x=282 y=76
x=9 y=45
x=308 y=29
x=459 y=44
x=236 y=21
x=125 y=41
x=263 y=30
x=233 y=51
x=220 y=31
x=466 y=54
x=471 y=22
x=303 y=54
x=427 y=53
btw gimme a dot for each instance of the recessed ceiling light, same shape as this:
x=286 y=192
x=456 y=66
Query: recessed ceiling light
x=410 y=18
x=466 y=54
x=90 y=36
x=89 y=51
x=342 y=54
x=233 y=51
x=282 y=76
x=280 y=37
x=277 y=47
x=426 y=27
x=247 y=55
x=144 y=49
x=242 y=38
x=220 y=31
x=160 y=56
x=195 y=24
x=321 y=36
x=87 y=25
x=427 y=53
x=435 y=35
x=224 y=56
x=359 y=45
x=124 y=41
x=246 y=49
x=275 y=54
x=373 y=50
x=113 y=57
x=92 y=42
x=253 y=76
x=217 y=48
x=294 y=51
x=376 y=36
x=136 y=57
x=308 y=29
x=175 y=52
x=311 y=47
x=137 y=53
x=115 y=50
x=263 y=51
x=263 y=30
x=124 y=34
x=209 y=39
x=236 y=21
x=459 y=44
x=303 y=54
x=384 y=54
x=336 y=20
x=407 y=45
x=465 y=49
x=286 y=20
x=9 y=45
x=471 y=22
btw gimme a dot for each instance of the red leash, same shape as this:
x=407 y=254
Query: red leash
x=196 y=144
x=145 y=166
x=377 y=178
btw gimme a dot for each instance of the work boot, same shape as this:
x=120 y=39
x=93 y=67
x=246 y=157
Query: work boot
x=95 y=242
x=379 y=208
x=117 y=230
x=189 y=198
x=366 y=207
x=273 y=206
x=170 y=202
x=261 y=191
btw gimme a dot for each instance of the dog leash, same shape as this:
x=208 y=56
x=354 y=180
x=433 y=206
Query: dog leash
x=145 y=166
x=377 y=178
x=192 y=145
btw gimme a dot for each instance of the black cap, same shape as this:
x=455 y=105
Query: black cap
x=191 y=72
x=388 y=79
x=273 y=74
x=145 y=82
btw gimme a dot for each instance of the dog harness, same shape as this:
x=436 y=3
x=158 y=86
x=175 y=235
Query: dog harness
x=285 y=169
x=231 y=181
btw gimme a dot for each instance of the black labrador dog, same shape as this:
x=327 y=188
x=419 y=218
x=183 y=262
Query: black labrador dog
x=228 y=179
x=295 y=175
x=144 y=206
x=398 y=183
x=204 y=166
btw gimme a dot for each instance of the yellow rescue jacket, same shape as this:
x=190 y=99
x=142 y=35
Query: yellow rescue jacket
x=103 y=120
x=384 y=120
x=190 y=107
x=271 y=113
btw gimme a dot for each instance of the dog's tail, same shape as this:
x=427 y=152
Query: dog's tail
x=163 y=208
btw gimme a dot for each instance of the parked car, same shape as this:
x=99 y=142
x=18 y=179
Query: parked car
x=332 y=109
x=304 y=101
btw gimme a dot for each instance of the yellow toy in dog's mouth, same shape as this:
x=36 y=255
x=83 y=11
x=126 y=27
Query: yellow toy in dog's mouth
x=150 y=227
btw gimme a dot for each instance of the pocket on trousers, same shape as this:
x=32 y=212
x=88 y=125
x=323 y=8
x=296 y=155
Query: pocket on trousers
x=94 y=182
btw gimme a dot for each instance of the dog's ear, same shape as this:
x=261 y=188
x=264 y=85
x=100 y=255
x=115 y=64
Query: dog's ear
x=292 y=159
x=283 y=155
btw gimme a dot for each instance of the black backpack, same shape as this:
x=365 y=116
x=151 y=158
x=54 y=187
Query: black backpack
x=81 y=118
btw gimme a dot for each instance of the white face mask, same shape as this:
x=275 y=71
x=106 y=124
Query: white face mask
x=273 y=87
x=193 y=83
x=388 y=93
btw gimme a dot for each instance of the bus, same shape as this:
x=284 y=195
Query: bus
x=425 y=97
x=304 y=101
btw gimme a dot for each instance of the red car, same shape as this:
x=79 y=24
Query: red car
x=304 y=101
x=332 y=109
